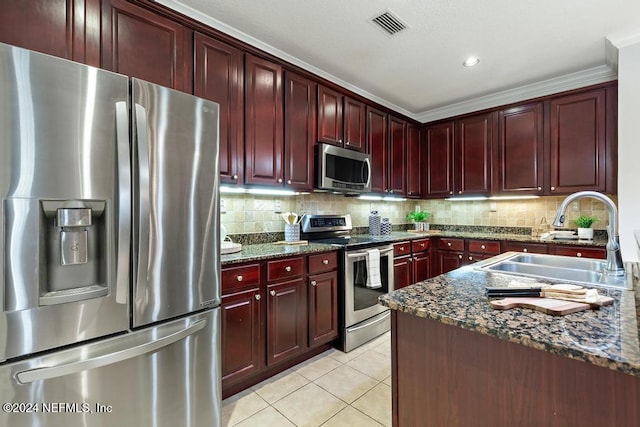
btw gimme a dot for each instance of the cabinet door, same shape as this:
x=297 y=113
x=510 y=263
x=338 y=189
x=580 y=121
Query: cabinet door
x=449 y=260
x=397 y=156
x=414 y=162
x=578 y=142
x=219 y=76
x=323 y=308
x=286 y=320
x=473 y=155
x=402 y=273
x=330 y=116
x=263 y=122
x=55 y=27
x=520 y=150
x=354 y=125
x=377 y=143
x=439 y=141
x=299 y=131
x=421 y=267
x=140 y=43
x=242 y=335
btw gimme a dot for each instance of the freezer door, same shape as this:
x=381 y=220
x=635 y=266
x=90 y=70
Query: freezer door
x=163 y=376
x=176 y=203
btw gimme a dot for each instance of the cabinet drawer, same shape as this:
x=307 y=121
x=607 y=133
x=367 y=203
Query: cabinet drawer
x=484 y=247
x=451 y=244
x=532 y=248
x=323 y=262
x=580 y=252
x=244 y=276
x=420 y=245
x=401 y=249
x=285 y=268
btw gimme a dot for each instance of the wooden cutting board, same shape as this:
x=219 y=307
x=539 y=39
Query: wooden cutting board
x=554 y=307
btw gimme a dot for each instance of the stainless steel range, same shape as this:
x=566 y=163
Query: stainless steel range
x=366 y=273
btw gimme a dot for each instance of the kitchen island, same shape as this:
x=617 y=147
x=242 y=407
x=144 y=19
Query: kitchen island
x=458 y=362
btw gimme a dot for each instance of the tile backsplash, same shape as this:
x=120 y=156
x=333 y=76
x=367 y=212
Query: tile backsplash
x=255 y=214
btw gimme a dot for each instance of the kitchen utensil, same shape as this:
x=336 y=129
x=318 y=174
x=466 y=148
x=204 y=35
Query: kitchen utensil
x=285 y=216
x=293 y=218
x=554 y=307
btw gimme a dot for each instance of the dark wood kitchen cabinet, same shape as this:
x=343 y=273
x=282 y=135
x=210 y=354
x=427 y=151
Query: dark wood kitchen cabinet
x=323 y=298
x=415 y=162
x=578 y=142
x=67 y=29
x=140 y=43
x=397 y=156
x=264 y=138
x=341 y=120
x=472 y=171
x=421 y=250
x=450 y=255
x=219 y=76
x=520 y=150
x=439 y=144
x=377 y=141
x=299 y=131
x=411 y=262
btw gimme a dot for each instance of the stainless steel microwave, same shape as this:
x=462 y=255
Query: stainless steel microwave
x=342 y=170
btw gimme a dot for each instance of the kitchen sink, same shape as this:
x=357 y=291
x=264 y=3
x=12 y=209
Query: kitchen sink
x=588 y=271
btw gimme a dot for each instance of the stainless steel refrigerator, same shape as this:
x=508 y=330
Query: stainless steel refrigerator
x=109 y=249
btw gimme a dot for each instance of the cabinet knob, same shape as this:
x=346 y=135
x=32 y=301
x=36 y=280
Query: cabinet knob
x=287 y=268
x=483 y=247
x=273 y=293
x=450 y=192
x=525 y=250
x=459 y=256
x=448 y=243
x=579 y=254
x=347 y=143
x=325 y=261
x=460 y=192
x=401 y=248
x=340 y=140
x=240 y=278
x=279 y=180
x=257 y=297
x=422 y=245
x=553 y=188
x=539 y=188
x=313 y=283
x=234 y=177
x=289 y=182
x=470 y=258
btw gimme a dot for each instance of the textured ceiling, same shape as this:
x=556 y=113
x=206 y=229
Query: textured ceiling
x=420 y=70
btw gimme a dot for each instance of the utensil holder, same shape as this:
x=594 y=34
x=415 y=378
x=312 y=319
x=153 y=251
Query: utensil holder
x=291 y=232
x=374 y=224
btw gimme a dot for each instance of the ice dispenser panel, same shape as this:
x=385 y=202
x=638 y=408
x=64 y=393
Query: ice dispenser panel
x=73 y=235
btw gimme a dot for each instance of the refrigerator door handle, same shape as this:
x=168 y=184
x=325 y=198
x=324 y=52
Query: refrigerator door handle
x=49 y=372
x=124 y=202
x=142 y=221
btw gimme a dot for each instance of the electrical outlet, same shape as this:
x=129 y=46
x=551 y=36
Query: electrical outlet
x=493 y=207
x=372 y=207
x=417 y=209
x=223 y=206
x=575 y=206
x=277 y=206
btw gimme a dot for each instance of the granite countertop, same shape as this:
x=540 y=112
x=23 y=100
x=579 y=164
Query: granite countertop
x=263 y=251
x=608 y=337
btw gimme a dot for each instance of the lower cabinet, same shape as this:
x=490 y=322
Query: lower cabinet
x=275 y=313
x=411 y=263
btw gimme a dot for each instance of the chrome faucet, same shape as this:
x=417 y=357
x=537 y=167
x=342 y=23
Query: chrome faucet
x=614 y=266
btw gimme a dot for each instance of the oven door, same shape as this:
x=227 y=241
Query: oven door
x=361 y=302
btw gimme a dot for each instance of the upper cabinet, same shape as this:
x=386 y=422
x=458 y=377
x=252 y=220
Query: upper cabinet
x=415 y=159
x=341 y=120
x=578 y=142
x=438 y=141
x=299 y=131
x=397 y=156
x=219 y=76
x=143 y=44
x=520 y=150
x=377 y=141
x=472 y=170
x=264 y=138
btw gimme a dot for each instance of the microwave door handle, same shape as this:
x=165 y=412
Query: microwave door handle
x=123 y=202
x=367 y=173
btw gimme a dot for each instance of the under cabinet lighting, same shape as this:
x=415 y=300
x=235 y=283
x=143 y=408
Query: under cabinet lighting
x=513 y=197
x=259 y=191
x=383 y=198
x=480 y=198
x=467 y=199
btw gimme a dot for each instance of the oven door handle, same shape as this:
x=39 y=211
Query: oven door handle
x=361 y=254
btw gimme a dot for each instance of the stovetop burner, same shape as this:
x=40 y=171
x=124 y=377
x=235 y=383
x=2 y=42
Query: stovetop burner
x=334 y=230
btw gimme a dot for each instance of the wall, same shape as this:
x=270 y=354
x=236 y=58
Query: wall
x=255 y=214
x=629 y=144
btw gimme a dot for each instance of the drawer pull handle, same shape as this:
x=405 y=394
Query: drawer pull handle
x=240 y=278
x=448 y=243
x=234 y=177
x=279 y=180
x=402 y=248
x=325 y=261
x=579 y=254
x=483 y=247
x=257 y=297
x=273 y=293
x=422 y=245
x=470 y=258
x=525 y=250
x=313 y=283
x=287 y=268
x=459 y=256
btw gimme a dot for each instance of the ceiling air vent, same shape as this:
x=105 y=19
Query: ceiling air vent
x=390 y=23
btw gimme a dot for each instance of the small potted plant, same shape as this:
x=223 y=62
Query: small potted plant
x=419 y=218
x=584 y=223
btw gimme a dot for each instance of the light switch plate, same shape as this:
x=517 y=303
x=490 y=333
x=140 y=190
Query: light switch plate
x=223 y=206
x=277 y=206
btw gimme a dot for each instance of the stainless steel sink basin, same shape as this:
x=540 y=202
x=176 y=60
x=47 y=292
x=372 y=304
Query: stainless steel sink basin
x=559 y=268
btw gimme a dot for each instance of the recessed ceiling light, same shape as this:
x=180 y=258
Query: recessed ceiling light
x=471 y=61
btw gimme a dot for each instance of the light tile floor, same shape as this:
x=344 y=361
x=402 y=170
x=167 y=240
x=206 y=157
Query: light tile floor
x=334 y=389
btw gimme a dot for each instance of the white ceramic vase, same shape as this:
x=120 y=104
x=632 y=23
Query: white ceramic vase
x=585 y=233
